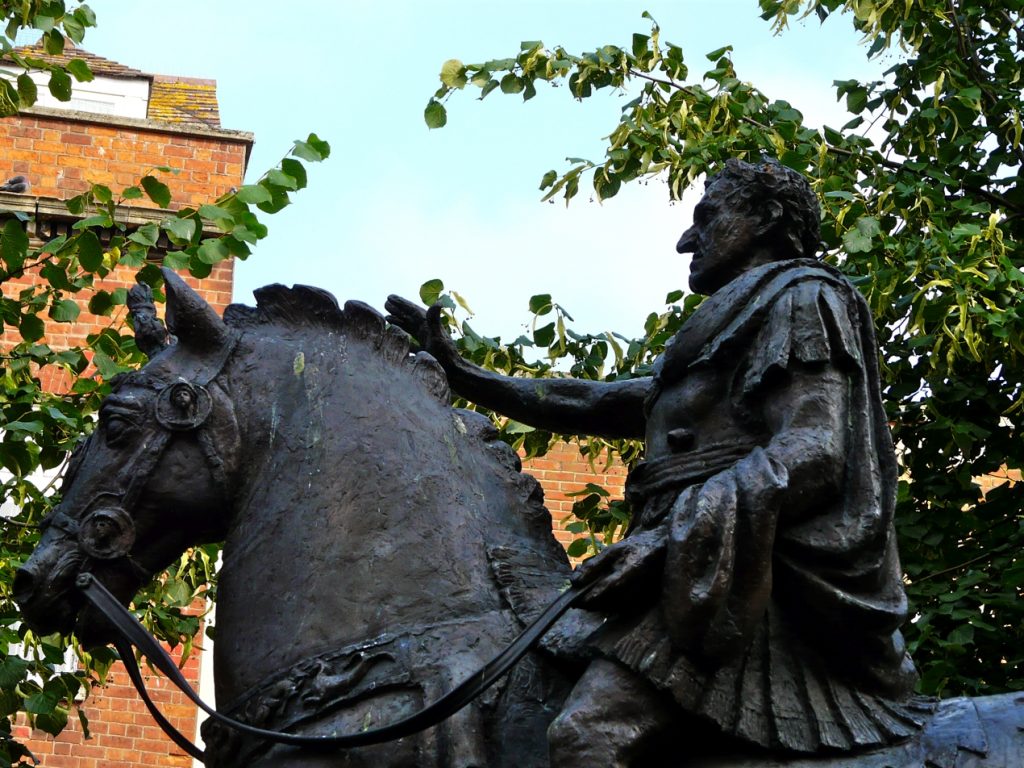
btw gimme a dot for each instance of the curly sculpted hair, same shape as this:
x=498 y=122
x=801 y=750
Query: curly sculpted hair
x=799 y=227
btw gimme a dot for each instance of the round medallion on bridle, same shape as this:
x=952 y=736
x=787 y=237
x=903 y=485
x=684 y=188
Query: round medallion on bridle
x=106 y=533
x=183 y=406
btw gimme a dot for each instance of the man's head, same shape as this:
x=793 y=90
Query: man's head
x=750 y=215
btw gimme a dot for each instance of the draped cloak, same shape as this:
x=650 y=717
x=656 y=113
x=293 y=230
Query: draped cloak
x=780 y=603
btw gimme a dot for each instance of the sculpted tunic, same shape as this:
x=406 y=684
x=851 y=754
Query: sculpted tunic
x=772 y=476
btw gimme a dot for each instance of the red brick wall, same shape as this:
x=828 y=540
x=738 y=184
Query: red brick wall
x=61 y=156
x=563 y=471
x=123 y=733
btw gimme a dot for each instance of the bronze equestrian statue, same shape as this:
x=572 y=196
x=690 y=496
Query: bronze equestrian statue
x=380 y=546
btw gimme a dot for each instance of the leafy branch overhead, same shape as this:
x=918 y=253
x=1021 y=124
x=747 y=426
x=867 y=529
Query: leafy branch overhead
x=55 y=22
x=922 y=209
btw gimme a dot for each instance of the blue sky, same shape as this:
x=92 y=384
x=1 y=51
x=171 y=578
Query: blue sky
x=397 y=204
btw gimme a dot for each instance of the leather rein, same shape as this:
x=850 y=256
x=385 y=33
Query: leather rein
x=131 y=633
x=184 y=406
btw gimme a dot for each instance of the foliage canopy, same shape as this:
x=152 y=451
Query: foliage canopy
x=922 y=210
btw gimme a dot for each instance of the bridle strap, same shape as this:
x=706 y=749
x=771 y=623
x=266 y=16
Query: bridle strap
x=132 y=633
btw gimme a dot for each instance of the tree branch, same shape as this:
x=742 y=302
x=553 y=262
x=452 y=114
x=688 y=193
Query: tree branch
x=893 y=165
x=986 y=556
x=1016 y=30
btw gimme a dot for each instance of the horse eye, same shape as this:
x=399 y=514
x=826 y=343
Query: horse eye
x=116 y=429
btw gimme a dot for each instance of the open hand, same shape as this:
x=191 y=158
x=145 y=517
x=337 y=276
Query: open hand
x=407 y=315
x=425 y=326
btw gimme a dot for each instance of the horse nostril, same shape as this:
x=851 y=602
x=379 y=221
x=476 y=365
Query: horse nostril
x=24 y=585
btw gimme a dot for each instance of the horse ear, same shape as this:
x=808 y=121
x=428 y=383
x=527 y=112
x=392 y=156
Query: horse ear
x=189 y=317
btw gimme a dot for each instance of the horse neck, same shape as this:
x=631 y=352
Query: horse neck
x=347 y=472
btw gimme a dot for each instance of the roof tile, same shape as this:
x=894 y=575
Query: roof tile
x=98 y=64
x=184 y=101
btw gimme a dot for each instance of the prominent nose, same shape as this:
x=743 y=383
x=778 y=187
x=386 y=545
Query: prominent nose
x=688 y=242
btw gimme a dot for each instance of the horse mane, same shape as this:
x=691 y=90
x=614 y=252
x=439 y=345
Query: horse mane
x=304 y=307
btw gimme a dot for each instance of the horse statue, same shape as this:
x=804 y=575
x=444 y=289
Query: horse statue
x=380 y=547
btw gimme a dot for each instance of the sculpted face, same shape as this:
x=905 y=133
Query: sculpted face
x=726 y=239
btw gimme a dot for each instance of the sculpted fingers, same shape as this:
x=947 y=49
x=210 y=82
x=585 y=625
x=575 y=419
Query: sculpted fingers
x=410 y=317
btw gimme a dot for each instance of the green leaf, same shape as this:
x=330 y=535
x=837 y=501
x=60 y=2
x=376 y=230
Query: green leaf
x=80 y=70
x=33 y=427
x=157 y=191
x=453 y=74
x=541 y=304
x=295 y=170
x=222 y=217
x=490 y=86
x=856 y=99
x=65 y=311
x=511 y=84
x=106 y=366
x=53 y=42
x=859 y=238
x=431 y=291
x=579 y=548
x=74 y=28
x=641 y=44
x=180 y=231
x=548 y=179
x=131 y=193
x=278 y=200
x=544 y=336
x=12 y=672
x=27 y=91
x=101 y=220
x=90 y=252
x=513 y=427
x=41 y=703
x=14 y=244
x=254 y=194
x=102 y=193
x=31 y=328
x=146 y=235
x=101 y=303
x=176 y=260
x=213 y=251
x=76 y=204
x=312 y=149
x=281 y=179
x=322 y=147
x=60 y=84
x=435 y=115
x=718 y=53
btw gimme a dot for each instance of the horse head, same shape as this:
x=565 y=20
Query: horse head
x=153 y=478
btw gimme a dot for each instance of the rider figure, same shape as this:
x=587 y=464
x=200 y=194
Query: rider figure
x=759 y=588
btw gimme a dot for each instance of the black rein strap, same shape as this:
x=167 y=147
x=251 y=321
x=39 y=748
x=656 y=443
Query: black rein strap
x=132 y=633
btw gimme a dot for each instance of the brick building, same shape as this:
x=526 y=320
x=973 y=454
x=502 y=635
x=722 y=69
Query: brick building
x=116 y=129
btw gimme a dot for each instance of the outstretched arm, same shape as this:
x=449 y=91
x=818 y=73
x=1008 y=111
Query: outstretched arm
x=570 y=406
